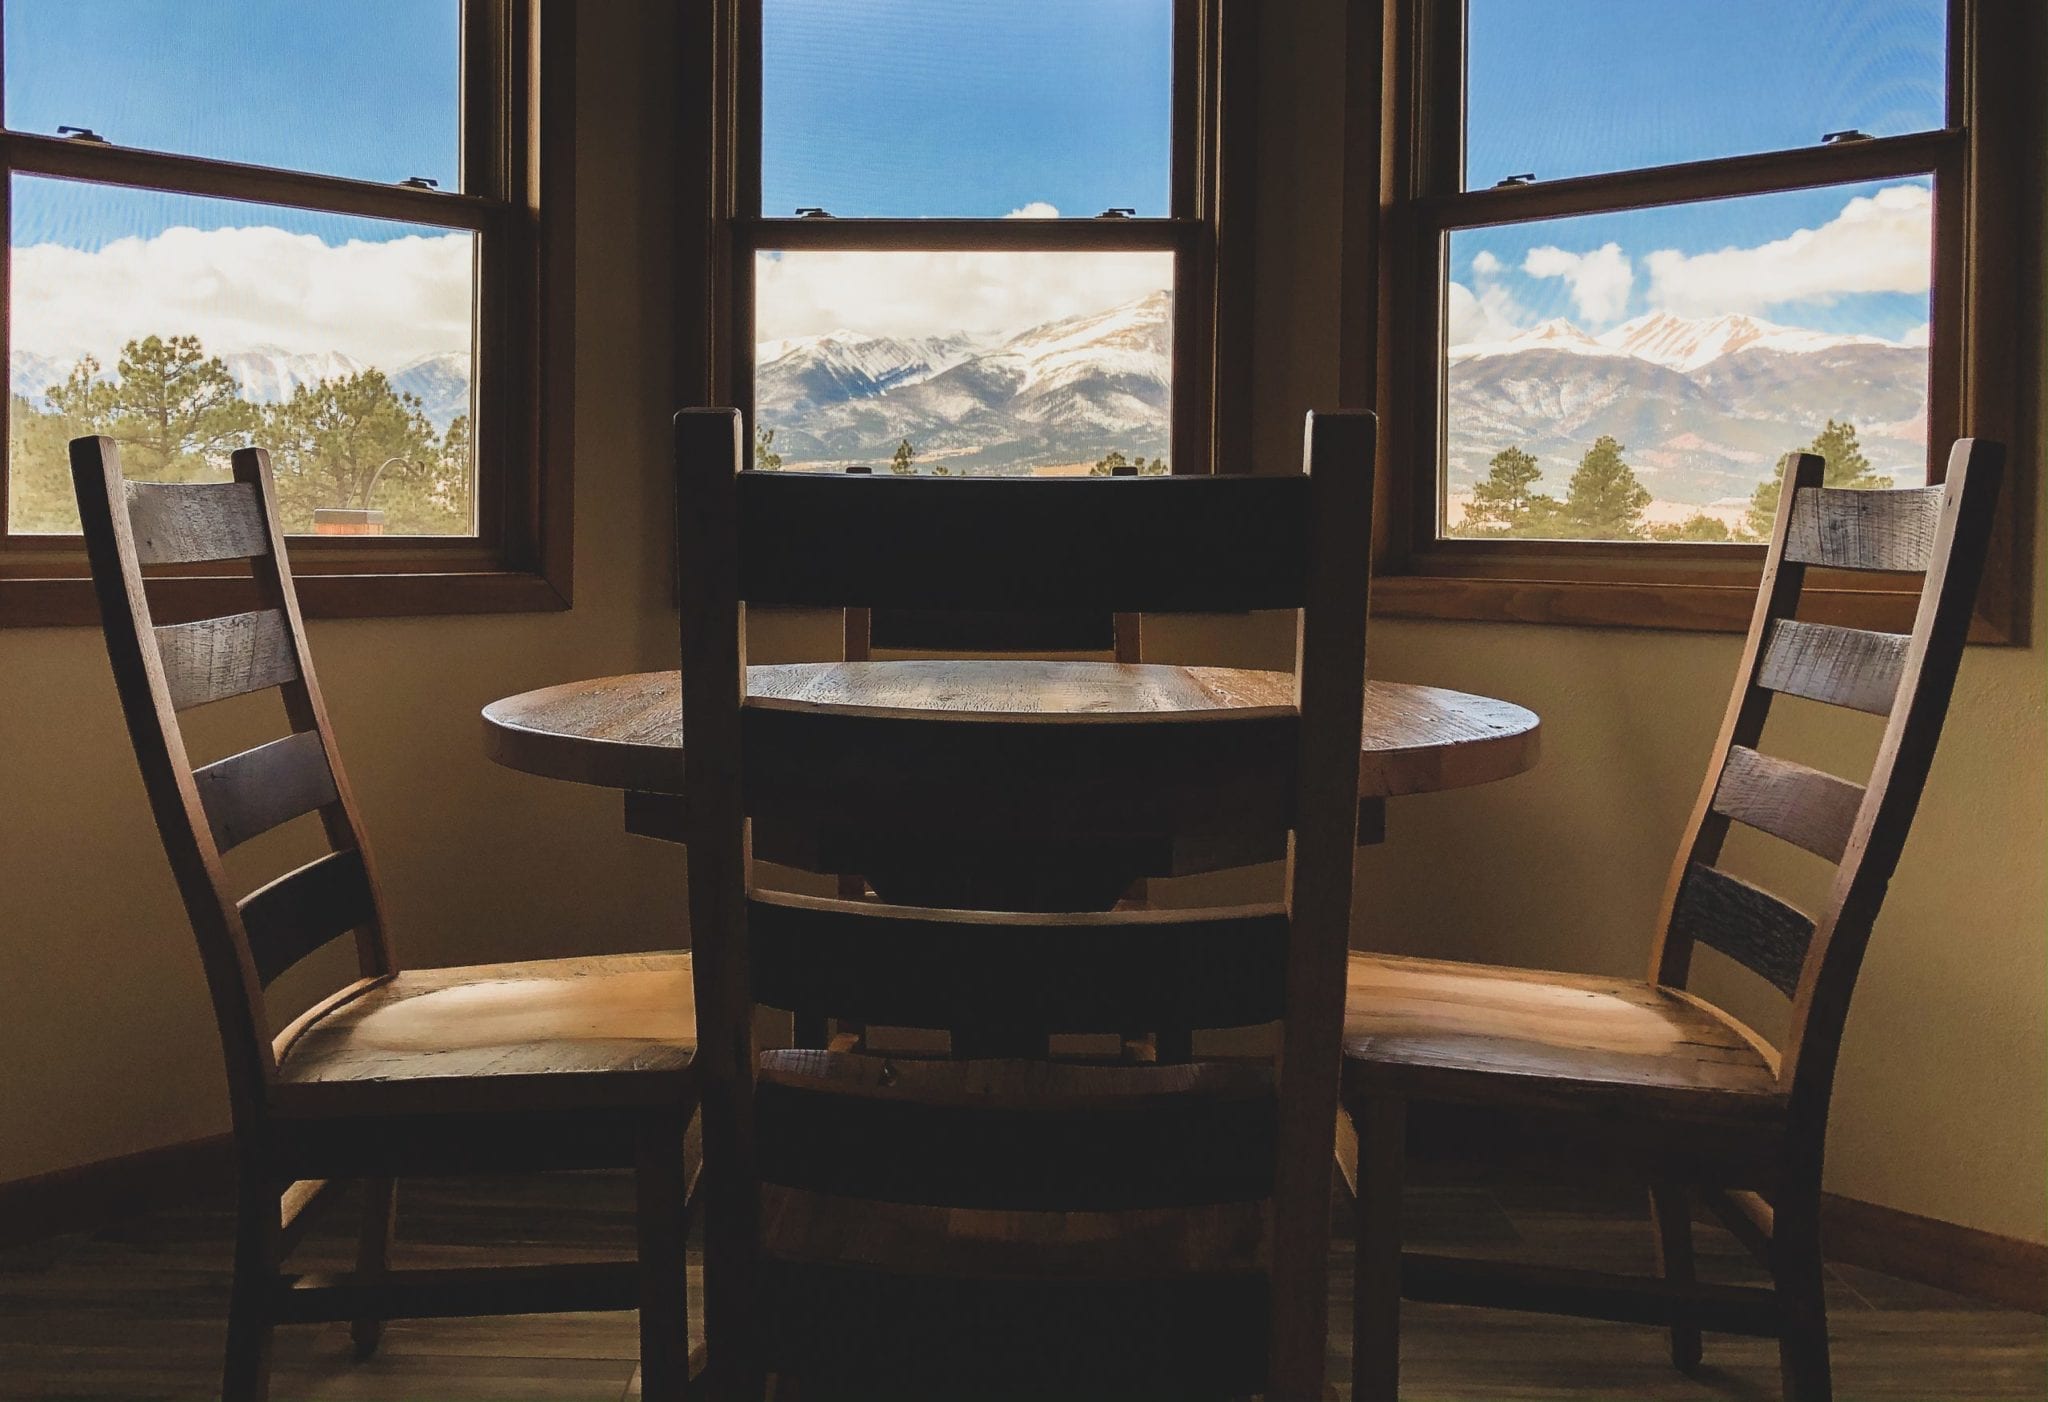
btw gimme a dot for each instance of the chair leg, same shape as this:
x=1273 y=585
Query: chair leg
x=1671 y=1210
x=245 y=1376
x=1376 y=1281
x=1800 y=1276
x=660 y=1182
x=373 y=1253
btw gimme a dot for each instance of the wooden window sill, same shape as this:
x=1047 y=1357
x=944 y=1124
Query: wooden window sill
x=326 y=592
x=1691 y=605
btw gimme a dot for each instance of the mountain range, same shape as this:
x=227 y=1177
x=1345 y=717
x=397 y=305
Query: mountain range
x=1064 y=391
x=1705 y=407
x=268 y=374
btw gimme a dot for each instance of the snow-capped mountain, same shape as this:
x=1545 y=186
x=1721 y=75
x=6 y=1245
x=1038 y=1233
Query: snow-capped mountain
x=440 y=381
x=1686 y=344
x=1065 y=391
x=813 y=371
x=1704 y=407
x=268 y=374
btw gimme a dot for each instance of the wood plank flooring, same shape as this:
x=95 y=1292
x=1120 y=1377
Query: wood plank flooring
x=136 y=1311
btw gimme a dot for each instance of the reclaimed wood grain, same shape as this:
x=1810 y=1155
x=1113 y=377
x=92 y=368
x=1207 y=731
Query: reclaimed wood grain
x=1841 y=666
x=1757 y=930
x=190 y=523
x=625 y=732
x=215 y=658
x=1807 y=807
x=1848 y=529
x=250 y=793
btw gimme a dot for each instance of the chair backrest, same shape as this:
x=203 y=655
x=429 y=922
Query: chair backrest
x=1938 y=532
x=1019 y=545
x=246 y=939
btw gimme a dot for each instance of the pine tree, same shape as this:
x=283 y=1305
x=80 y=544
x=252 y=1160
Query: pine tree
x=356 y=442
x=175 y=410
x=1501 y=499
x=1698 y=526
x=1107 y=465
x=1604 y=501
x=1846 y=467
x=39 y=493
x=765 y=457
x=901 y=464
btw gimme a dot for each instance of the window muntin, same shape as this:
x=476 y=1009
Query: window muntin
x=966 y=108
x=1001 y=363
x=185 y=327
x=366 y=89
x=1583 y=87
x=1637 y=375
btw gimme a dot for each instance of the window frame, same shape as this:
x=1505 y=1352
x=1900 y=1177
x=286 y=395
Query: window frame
x=517 y=172
x=1403 y=197
x=1208 y=227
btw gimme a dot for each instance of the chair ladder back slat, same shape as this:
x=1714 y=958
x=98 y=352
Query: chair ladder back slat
x=1016 y=1135
x=1742 y=723
x=306 y=708
x=151 y=715
x=189 y=523
x=248 y=794
x=217 y=658
x=1851 y=529
x=1330 y=669
x=1149 y=544
x=1748 y=924
x=303 y=910
x=1809 y=808
x=1851 y=667
x=1956 y=559
x=908 y=967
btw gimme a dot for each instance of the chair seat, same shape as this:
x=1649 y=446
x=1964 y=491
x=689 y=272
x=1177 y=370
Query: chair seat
x=611 y=1032
x=1434 y=1030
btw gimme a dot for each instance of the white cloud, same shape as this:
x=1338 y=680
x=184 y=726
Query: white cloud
x=1600 y=280
x=1485 y=264
x=237 y=289
x=1037 y=209
x=1490 y=314
x=933 y=294
x=1915 y=335
x=1878 y=243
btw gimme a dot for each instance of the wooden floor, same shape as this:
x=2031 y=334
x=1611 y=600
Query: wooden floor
x=136 y=1312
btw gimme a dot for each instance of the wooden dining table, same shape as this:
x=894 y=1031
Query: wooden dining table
x=935 y=779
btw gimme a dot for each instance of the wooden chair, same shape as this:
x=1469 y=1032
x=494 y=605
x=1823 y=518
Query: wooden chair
x=1572 y=1073
x=558 y=1064
x=995 y=1227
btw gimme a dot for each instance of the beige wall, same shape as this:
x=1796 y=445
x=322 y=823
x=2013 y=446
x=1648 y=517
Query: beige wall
x=104 y=1033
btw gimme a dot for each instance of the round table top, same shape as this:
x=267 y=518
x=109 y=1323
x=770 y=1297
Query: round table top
x=625 y=732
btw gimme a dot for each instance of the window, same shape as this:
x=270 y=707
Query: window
x=1636 y=254
x=974 y=238
x=306 y=227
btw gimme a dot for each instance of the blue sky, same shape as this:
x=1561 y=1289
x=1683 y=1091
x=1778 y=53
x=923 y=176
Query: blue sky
x=361 y=88
x=976 y=107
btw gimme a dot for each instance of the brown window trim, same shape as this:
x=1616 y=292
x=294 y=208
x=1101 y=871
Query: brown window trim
x=1401 y=176
x=518 y=196
x=1211 y=235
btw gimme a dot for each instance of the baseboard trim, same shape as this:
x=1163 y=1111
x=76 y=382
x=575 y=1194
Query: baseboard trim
x=1982 y=1265
x=92 y=1195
